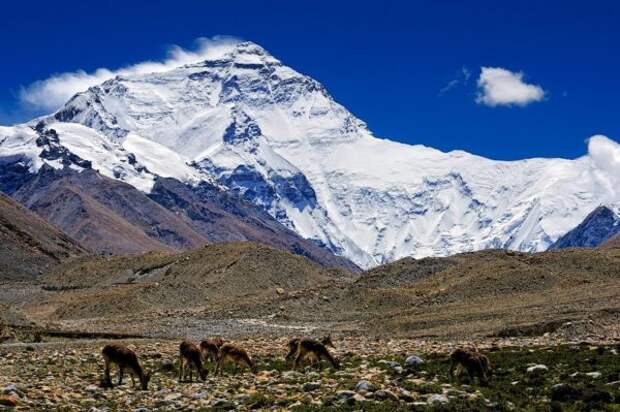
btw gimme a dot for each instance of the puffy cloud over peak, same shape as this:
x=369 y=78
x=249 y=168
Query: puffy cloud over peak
x=53 y=92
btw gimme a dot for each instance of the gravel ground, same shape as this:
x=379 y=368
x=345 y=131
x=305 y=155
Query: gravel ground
x=378 y=374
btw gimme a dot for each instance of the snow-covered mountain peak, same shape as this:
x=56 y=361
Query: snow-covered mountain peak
x=189 y=108
x=277 y=138
x=249 y=53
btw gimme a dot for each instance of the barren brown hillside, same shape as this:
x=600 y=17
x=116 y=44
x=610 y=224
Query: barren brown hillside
x=28 y=244
x=613 y=242
x=244 y=289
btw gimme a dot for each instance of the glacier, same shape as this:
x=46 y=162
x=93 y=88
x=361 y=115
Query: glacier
x=254 y=126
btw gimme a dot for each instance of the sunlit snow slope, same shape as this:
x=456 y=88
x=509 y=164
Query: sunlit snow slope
x=277 y=138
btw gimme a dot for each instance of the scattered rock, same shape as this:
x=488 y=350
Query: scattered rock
x=392 y=364
x=405 y=395
x=173 y=397
x=344 y=394
x=537 y=369
x=357 y=398
x=311 y=386
x=200 y=395
x=437 y=398
x=413 y=361
x=385 y=395
x=222 y=404
x=364 y=385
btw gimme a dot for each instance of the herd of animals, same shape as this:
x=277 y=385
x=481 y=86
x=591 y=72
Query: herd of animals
x=193 y=356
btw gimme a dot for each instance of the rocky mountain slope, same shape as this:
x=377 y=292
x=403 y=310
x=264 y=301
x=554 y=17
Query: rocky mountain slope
x=276 y=137
x=107 y=215
x=598 y=227
x=28 y=244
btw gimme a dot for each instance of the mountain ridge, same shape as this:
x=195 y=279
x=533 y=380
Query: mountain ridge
x=275 y=137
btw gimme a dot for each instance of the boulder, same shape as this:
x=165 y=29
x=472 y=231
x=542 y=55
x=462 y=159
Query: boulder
x=364 y=385
x=413 y=361
x=537 y=369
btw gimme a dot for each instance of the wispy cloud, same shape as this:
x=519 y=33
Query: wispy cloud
x=461 y=79
x=53 y=92
x=502 y=87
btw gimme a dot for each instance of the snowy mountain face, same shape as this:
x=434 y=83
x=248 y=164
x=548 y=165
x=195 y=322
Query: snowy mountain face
x=278 y=139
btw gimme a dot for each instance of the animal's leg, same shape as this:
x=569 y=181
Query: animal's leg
x=471 y=375
x=108 y=380
x=297 y=360
x=180 y=368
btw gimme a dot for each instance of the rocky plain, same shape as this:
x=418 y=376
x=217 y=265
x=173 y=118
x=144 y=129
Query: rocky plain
x=548 y=322
x=376 y=374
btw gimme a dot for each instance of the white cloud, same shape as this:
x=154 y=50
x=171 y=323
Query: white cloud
x=605 y=155
x=501 y=87
x=462 y=78
x=53 y=92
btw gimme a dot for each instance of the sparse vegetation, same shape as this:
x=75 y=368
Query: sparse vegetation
x=576 y=377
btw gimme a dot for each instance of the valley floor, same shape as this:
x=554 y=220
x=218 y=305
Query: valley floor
x=66 y=375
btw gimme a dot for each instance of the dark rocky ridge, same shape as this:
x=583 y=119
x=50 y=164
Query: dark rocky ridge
x=105 y=215
x=599 y=226
x=109 y=216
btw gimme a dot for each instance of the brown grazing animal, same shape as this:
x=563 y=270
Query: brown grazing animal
x=236 y=355
x=293 y=343
x=190 y=356
x=312 y=349
x=475 y=363
x=210 y=348
x=124 y=358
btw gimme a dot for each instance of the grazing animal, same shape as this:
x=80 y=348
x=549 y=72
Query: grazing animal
x=124 y=358
x=236 y=355
x=475 y=363
x=294 y=343
x=312 y=349
x=190 y=356
x=210 y=348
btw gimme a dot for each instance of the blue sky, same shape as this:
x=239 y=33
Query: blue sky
x=389 y=62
